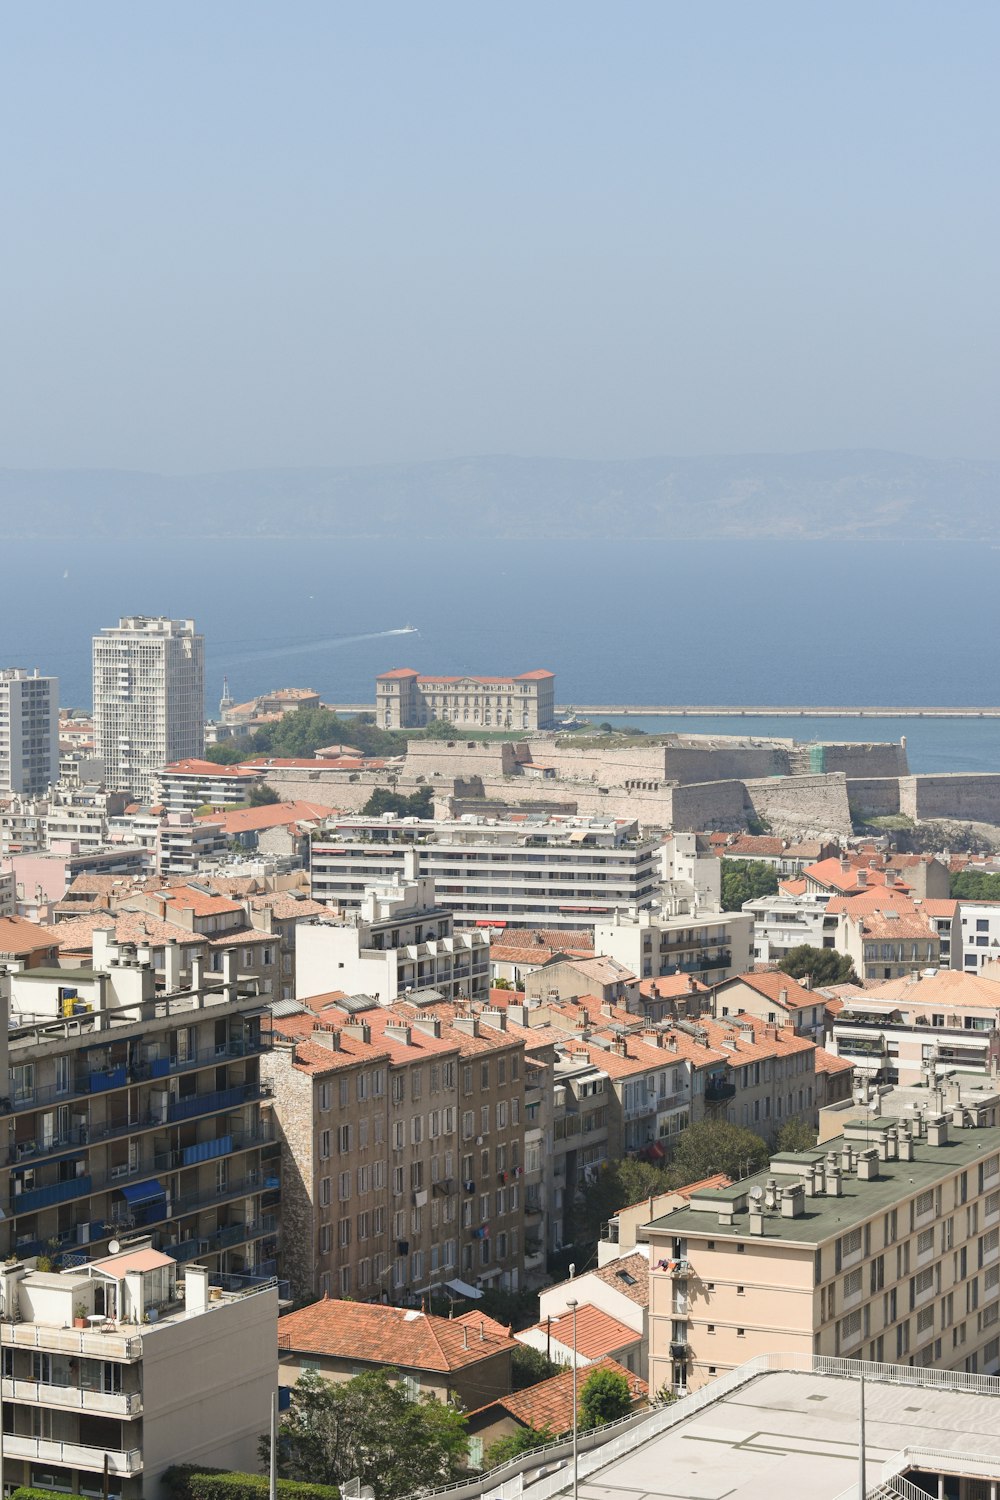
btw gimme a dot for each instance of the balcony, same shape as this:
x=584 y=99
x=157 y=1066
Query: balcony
x=161 y=1161
x=138 y=1070
x=124 y=1404
x=718 y=1092
x=68 y=1341
x=73 y=1455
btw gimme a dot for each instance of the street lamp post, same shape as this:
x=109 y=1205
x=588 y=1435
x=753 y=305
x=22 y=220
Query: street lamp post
x=572 y=1305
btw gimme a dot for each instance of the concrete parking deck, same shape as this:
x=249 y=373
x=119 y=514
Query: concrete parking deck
x=796 y=1435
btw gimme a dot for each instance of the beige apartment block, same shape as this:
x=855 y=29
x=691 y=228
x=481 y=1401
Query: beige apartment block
x=404 y=699
x=118 y=1368
x=883 y=1244
x=885 y=934
x=893 y=1031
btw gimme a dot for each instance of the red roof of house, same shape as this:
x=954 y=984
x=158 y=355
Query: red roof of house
x=378 y=1335
x=597 y=1332
x=550 y=1402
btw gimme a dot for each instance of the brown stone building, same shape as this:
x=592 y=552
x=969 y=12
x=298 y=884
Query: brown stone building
x=403 y=1147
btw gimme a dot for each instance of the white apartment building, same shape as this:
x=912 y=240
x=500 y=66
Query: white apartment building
x=191 y=783
x=539 y=872
x=781 y=923
x=400 y=939
x=980 y=927
x=149 y=699
x=674 y=939
x=117 y=1368
x=29 y=731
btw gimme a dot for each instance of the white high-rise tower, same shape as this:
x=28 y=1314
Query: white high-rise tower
x=149 y=699
x=29 y=731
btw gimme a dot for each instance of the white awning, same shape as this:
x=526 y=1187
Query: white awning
x=462 y=1288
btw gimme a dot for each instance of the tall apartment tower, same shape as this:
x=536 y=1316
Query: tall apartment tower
x=149 y=699
x=29 y=731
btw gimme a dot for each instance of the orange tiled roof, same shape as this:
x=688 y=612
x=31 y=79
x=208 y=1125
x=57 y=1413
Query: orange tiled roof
x=271 y=815
x=374 y=1334
x=775 y=985
x=209 y=768
x=826 y=1062
x=550 y=1402
x=18 y=935
x=597 y=1332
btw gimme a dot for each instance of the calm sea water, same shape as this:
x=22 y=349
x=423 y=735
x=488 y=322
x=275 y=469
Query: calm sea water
x=685 y=622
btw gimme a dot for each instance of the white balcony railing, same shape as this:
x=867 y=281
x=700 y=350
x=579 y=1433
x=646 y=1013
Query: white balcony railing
x=72 y=1455
x=73 y=1397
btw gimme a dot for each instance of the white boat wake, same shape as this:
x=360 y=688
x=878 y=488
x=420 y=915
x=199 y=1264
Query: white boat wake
x=330 y=644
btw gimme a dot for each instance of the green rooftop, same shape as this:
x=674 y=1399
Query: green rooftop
x=824 y=1217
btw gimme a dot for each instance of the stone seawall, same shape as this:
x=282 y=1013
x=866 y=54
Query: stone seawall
x=803 y=805
x=873 y=796
x=957 y=796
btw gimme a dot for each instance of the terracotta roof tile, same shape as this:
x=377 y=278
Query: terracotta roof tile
x=379 y=1335
x=550 y=1402
x=597 y=1332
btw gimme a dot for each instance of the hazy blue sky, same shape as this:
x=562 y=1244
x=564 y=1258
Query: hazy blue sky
x=241 y=234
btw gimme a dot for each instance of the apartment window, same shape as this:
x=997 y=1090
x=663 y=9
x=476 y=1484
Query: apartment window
x=325 y=1239
x=467 y=1079
x=502 y=1114
x=484 y=1119
x=378 y=1083
x=416 y=1130
x=711 y=1328
x=398 y=1085
x=378 y=1175
x=364 y=1224
x=449 y=1075
x=364 y=1179
x=344 y=1233
x=484 y=1075
x=468 y=1124
x=343 y=1091
x=741 y=1333
x=324 y=1191
x=740 y=1291
x=416 y=1083
x=324 y=1145
x=397 y=1181
x=344 y=1187
x=324 y=1096
x=398 y=1135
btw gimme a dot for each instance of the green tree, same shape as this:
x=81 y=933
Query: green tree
x=262 y=795
x=528 y=1366
x=228 y=752
x=524 y=1440
x=368 y=1428
x=716 y=1146
x=744 y=879
x=796 y=1136
x=823 y=965
x=417 y=805
x=976 y=885
x=604 y=1398
x=617 y=1184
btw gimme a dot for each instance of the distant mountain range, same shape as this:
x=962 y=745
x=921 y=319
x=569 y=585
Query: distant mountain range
x=840 y=495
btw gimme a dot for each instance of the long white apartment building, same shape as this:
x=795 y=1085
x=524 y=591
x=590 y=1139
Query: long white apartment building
x=149 y=699
x=119 y=1367
x=531 y=872
x=400 y=939
x=29 y=731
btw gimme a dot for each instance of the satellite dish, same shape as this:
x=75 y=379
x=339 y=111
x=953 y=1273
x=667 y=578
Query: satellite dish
x=114 y=1247
x=756 y=1194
